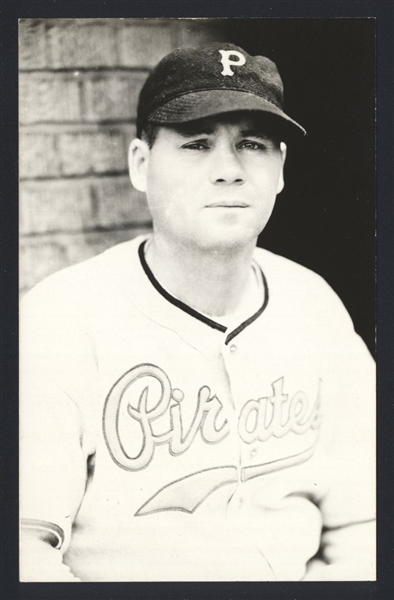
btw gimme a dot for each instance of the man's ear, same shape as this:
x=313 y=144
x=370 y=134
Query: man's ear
x=281 y=180
x=138 y=164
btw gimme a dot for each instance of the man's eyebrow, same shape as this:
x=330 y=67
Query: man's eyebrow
x=253 y=132
x=204 y=129
x=186 y=131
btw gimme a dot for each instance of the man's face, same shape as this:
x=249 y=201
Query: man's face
x=211 y=184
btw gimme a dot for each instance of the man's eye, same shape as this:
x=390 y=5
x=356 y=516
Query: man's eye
x=195 y=146
x=249 y=145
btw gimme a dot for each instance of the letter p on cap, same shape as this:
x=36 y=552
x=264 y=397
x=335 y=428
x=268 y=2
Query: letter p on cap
x=226 y=61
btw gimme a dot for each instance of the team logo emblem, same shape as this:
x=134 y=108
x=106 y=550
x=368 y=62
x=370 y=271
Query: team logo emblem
x=227 y=61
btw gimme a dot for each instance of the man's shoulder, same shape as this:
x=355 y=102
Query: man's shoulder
x=279 y=267
x=289 y=281
x=90 y=276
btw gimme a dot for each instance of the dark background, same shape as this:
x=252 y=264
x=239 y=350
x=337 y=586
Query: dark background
x=325 y=217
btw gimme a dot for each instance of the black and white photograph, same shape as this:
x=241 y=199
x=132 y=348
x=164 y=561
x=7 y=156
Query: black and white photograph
x=197 y=299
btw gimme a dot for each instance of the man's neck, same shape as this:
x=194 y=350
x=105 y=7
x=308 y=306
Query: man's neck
x=211 y=282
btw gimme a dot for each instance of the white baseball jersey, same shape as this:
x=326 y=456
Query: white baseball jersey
x=158 y=445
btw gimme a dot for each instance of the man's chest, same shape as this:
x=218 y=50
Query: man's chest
x=174 y=415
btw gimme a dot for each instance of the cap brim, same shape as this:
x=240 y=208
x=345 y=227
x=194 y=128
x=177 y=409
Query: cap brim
x=207 y=103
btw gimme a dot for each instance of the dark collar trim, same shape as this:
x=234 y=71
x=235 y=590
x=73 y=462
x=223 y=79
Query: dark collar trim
x=256 y=315
x=175 y=301
x=194 y=313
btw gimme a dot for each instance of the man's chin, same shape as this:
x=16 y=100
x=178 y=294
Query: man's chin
x=227 y=242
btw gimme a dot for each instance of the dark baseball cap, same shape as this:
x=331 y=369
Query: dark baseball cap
x=190 y=84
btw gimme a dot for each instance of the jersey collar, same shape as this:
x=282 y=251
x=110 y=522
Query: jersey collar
x=230 y=335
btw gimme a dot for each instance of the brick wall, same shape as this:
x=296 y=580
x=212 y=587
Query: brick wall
x=79 y=86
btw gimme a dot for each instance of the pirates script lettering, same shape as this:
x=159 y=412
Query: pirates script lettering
x=258 y=420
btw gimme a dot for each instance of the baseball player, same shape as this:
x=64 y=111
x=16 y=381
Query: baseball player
x=193 y=407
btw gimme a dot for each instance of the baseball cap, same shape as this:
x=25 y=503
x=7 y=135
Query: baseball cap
x=194 y=83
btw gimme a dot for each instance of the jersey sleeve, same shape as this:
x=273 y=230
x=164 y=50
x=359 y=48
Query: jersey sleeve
x=57 y=379
x=348 y=438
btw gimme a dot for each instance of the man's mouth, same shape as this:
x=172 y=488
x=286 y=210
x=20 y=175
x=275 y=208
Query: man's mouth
x=228 y=204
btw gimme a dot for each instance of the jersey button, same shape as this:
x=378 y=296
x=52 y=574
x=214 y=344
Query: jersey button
x=253 y=452
x=233 y=348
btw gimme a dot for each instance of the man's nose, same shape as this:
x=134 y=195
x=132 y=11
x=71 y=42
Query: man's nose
x=226 y=167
